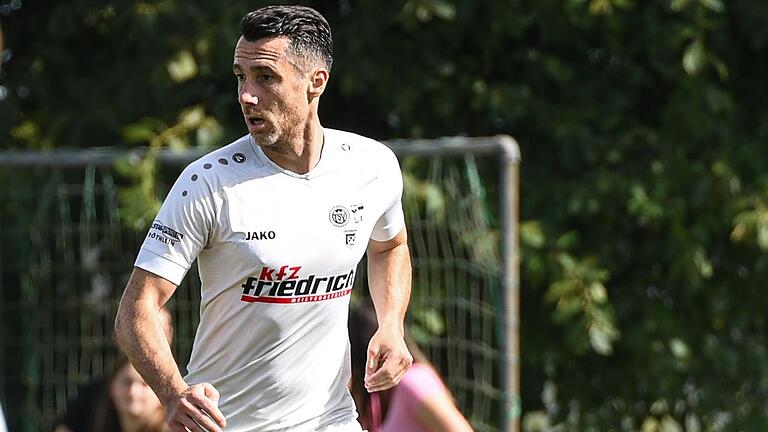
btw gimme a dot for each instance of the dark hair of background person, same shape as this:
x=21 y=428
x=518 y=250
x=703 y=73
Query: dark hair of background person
x=80 y=410
x=106 y=418
x=362 y=325
x=306 y=29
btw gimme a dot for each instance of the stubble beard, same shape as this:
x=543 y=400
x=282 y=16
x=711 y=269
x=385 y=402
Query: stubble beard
x=273 y=141
x=268 y=139
x=273 y=138
x=285 y=139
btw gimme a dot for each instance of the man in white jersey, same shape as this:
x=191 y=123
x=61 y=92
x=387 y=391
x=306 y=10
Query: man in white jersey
x=278 y=221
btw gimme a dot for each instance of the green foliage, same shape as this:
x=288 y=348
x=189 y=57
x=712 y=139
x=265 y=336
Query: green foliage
x=139 y=201
x=643 y=128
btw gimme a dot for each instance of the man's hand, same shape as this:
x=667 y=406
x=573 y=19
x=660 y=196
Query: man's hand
x=388 y=359
x=195 y=409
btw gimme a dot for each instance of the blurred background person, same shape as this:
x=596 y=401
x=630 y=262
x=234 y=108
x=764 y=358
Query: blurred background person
x=129 y=404
x=81 y=409
x=420 y=403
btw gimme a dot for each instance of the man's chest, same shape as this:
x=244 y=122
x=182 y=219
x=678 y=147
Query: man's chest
x=318 y=225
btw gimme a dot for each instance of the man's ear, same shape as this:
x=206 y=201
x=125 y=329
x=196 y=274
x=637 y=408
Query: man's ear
x=318 y=79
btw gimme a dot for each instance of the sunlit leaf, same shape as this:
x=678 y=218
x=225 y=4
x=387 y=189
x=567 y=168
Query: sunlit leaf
x=531 y=234
x=138 y=132
x=650 y=424
x=694 y=56
x=566 y=310
x=703 y=265
x=678 y=5
x=715 y=5
x=597 y=293
x=536 y=421
x=431 y=320
x=192 y=117
x=175 y=142
x=660 y=407
x=720 y=66
x=210 y=133
x=567 y=240
x=679 y=349
x=182 y=67
x=669 y=424
x=601 y=340
x=762 y=237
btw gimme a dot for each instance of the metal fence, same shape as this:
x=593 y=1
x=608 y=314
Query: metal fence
x=65 y=257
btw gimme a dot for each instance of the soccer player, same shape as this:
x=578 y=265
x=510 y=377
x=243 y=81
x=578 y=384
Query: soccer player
x=278 y=221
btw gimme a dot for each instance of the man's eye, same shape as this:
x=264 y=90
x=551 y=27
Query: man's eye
x=240 y=77
x=265 y=77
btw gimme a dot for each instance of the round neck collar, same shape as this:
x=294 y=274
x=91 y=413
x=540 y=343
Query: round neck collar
x=318 y=169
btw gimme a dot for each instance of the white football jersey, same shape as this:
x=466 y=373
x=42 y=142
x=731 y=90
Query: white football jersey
x=277 y=254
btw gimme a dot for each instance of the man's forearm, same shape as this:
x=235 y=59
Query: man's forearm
x=141 y=336
x=389 y=280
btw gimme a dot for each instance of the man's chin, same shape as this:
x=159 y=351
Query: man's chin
x=263 y=139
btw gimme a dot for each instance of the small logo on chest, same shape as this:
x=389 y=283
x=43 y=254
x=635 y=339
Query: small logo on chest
x=349 y=237
x=339 y=216
x=260 y=235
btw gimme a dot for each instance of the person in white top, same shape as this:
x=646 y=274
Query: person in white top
x=278 y=221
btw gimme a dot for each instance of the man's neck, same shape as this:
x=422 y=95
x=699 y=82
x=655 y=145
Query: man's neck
x=301 y=153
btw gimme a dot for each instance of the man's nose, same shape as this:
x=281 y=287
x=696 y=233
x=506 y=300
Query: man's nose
x=248 y=98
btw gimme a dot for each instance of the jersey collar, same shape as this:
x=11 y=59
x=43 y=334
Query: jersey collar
x=323 y=166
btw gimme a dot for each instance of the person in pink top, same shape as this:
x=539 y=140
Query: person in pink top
x=420 y=403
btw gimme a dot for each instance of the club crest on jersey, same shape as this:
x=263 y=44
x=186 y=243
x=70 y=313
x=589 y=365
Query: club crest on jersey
x=339 y=216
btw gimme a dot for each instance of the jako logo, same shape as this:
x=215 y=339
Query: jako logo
x=284 y=285
x=260 y=235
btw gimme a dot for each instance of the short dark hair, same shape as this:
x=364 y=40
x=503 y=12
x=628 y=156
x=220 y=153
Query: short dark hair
x=306 y=29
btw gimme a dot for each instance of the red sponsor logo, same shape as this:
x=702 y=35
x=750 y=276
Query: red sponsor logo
x=286 y=285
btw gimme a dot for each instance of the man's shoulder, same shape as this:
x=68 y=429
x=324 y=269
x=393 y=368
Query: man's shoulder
x=351 y=141
x=236 y=152
x=222 y=165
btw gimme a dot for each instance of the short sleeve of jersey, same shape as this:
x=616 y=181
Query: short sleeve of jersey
x=392 y=220
x=181 y=229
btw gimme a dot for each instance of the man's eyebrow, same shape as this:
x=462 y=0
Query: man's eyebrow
x=237 y=66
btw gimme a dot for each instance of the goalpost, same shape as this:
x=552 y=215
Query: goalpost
x=65 y=257
x=479 y=268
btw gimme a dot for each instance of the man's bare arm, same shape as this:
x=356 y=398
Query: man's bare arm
x=141 y=336
x=389 y=280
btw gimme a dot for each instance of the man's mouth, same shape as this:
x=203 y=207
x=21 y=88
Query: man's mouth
x=255 y=122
